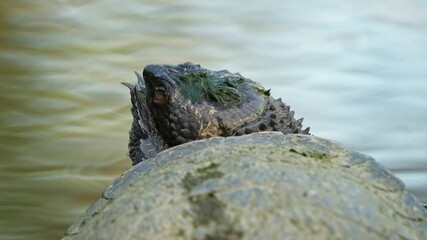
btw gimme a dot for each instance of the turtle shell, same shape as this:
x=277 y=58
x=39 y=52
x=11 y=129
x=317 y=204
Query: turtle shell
x=260 y=186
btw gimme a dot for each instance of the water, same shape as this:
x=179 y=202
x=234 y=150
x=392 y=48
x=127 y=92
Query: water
x=356 y=71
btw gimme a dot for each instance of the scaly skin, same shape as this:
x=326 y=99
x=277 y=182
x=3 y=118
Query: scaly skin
x=172 y=105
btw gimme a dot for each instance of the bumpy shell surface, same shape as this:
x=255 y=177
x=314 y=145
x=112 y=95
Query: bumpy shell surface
x=178 y=104
x=260 y=186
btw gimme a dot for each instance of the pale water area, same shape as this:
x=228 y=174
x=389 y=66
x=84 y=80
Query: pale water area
x=355 y=70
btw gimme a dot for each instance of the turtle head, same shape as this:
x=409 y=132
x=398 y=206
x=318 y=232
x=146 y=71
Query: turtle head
x=174 y=104
x=180 y=94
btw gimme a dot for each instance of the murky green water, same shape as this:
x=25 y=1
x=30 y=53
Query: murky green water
x=356 y=72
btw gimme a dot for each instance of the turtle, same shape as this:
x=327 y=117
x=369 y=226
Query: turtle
x=264 y=185
x=175 y=104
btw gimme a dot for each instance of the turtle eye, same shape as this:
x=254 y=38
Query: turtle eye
x=159 y=96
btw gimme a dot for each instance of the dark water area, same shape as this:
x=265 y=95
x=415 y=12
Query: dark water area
x=356 y=71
